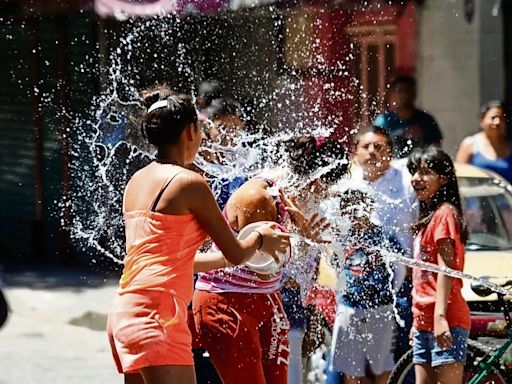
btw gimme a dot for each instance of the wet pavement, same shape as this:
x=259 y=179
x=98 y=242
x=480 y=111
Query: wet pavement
x=56 y=329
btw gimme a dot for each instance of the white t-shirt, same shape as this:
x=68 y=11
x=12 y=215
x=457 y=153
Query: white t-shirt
x=396 y=204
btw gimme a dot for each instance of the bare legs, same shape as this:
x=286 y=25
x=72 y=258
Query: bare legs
x=382 y=378
x=444 y=374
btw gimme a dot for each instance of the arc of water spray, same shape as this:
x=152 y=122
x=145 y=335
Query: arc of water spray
x=394 y=257
x=448 y=271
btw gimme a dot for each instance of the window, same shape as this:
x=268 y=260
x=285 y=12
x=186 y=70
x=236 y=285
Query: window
x=373 y=66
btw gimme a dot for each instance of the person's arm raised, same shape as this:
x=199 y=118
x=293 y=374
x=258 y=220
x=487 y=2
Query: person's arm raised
x=311 y=228
x=201 y=203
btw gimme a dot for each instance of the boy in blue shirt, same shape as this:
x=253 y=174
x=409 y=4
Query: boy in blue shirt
x=363 y=331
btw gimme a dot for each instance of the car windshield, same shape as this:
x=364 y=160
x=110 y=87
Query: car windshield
x=488 y=210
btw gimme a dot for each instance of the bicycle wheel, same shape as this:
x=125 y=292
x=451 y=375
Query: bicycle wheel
x=403 y=373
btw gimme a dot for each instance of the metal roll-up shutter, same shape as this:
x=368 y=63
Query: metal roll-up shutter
x=50 y=83
x=17 y=149
x=45 y=82
x=83 y=76
x=69 y=76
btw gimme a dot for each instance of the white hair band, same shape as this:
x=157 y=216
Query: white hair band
x=157 y=105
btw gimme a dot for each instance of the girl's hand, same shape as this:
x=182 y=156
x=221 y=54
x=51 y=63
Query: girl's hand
x=411 y=336
x=274 y=242
x=315 y=227
x=290 y=205
x=311 y=228
x=442 y=332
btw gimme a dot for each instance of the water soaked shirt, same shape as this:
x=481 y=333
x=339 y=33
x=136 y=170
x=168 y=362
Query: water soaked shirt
x=396 y=208
x=367 y=277
x=396 y=204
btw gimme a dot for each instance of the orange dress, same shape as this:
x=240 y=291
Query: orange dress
x=147 y=324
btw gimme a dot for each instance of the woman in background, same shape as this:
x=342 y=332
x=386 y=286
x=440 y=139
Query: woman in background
x=491 y=148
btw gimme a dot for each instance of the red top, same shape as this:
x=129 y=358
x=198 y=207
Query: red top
x=445 y=224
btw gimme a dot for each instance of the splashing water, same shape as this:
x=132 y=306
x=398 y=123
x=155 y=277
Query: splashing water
x=448 y=271
x=108 y=146
x=340 y=228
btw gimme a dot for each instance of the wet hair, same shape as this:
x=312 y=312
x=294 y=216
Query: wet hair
x=308 y=153
x=358 y=205
x=376 y=130
x=222 y=107
x=164 y=126
x=210 y=90
x=352 y=196
x=438 y=161
x=404 y=79
x=492 y=104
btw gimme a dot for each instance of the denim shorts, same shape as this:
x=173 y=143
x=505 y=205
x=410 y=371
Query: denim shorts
x=426 y=350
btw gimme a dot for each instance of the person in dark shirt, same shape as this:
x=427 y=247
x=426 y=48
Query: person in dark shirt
x=409 y=126
x=366 y=274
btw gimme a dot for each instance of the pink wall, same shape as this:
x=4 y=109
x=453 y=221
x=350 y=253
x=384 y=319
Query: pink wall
x=328 y=85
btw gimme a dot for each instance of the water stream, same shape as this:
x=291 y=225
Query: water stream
x=109 y=148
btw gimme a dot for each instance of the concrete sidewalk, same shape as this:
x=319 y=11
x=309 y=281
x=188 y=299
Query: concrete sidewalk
x=39 y=343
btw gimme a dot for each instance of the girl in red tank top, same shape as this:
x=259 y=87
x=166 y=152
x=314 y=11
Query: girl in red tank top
x=441 y=315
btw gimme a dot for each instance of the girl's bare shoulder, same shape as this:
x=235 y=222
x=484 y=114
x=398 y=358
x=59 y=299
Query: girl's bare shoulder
x=468 y=143
x=152 y=174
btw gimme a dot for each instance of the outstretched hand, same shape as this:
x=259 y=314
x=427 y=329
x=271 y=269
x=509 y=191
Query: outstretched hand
x=311 y=228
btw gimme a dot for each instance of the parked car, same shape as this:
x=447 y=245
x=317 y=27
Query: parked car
x=487 y=200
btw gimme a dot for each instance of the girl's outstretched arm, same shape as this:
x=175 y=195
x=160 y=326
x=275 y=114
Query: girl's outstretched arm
x=200 y=201
x=208 y=261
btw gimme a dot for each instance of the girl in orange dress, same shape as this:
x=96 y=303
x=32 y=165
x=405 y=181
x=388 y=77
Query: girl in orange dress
x=169 y=210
